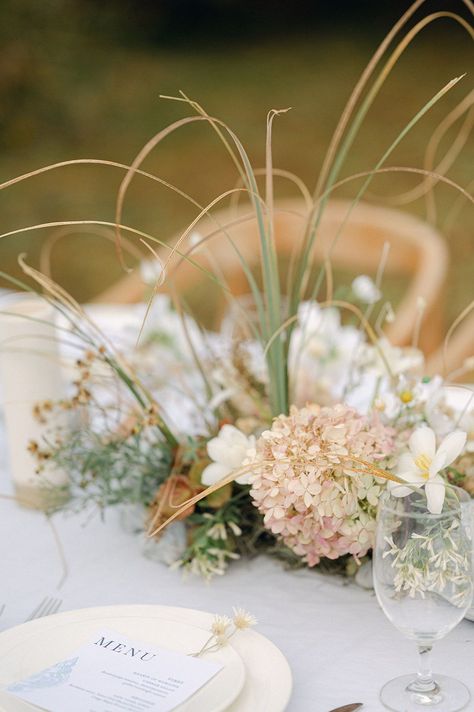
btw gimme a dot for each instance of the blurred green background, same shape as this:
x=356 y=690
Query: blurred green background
x=80 y=79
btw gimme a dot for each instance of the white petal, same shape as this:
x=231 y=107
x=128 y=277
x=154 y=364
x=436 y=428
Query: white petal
x=406 y=463
x=218 y=449
x=435 y=491
x=399 y=490
x=229 y=447
x=243 y=479
x=437 y=464
x=452 y=446
x=231 y=434
x=214 y=473
x=235 y=456
x=423 y=442
x=412 y=476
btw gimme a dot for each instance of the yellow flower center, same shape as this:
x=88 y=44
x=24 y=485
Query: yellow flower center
x=406 y=396
x=423 y=463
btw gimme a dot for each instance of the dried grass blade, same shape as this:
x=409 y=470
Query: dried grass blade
x=467 y=310
x=357 y=92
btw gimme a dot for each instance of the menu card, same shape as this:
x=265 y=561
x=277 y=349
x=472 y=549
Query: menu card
x=114 y=674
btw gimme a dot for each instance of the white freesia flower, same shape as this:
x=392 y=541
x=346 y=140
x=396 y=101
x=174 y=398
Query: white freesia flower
x=228 y=450
x=321 y=352
x=421 y=466
x=319 y=332
x=449 y=407
x=400 y=359
x=365 y=289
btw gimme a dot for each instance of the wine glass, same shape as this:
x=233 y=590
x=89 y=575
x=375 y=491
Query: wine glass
x=423 y=581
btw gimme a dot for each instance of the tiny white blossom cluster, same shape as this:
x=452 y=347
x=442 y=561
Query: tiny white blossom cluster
x=212 y=562
x=432 y=563
x=218 y=532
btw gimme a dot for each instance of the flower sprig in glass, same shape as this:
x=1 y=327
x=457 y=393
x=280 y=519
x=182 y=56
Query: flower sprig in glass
x=423 y=581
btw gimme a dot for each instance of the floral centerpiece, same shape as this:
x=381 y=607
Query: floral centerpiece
x=278 y=432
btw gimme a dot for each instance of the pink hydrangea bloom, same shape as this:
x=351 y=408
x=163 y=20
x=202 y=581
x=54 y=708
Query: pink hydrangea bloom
x=305 y=486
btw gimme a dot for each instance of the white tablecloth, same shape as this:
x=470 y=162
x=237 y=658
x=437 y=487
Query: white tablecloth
x=339 y=644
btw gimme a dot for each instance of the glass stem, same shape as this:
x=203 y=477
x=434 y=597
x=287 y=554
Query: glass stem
x=425 y=676
x=424 y=687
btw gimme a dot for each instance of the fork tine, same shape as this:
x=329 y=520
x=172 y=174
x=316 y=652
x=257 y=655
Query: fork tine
x=45 y=609
x=37 y=611
x=49 y=608
x=2 y=608
x=52 y=607
x=57 y=605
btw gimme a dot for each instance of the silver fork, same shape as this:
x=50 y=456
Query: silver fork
x=2 y=608
x=47 y=607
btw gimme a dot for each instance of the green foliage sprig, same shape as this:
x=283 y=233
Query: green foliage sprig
x=107 y=472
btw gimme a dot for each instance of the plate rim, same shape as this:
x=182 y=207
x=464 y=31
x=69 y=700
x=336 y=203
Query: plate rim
x=194 y=617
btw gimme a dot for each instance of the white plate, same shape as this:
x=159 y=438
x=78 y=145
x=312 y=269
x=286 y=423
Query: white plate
x=22 y=655
x=268 y=682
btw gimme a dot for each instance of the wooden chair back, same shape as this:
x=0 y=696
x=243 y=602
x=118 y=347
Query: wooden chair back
x=417 y=251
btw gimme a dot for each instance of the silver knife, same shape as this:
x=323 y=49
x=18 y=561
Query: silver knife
x=348 y=708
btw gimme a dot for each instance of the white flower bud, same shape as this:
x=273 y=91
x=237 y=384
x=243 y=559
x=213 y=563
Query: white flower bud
x=365 y=289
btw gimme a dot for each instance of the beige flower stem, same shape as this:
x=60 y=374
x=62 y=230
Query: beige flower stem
x=216 y=646
x=370 y=469
x=204 y=648
x=202 y=495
